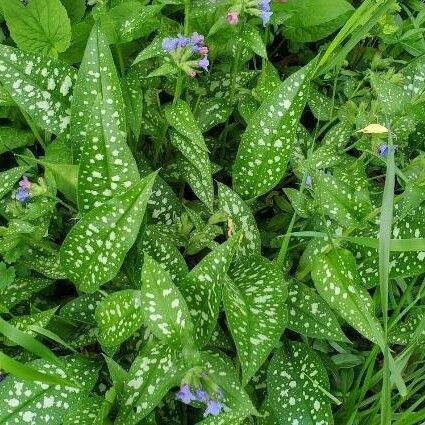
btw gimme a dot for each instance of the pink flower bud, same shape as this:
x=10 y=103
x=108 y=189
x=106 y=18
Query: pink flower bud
x=233 y=17
x=203 y=50
x=191 y=73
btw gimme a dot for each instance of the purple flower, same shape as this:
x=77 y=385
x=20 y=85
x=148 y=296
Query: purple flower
x=384 y=149
x=265 y=16
x=185 y=395
x=264 y=5
x=197 y=39
x=25 y=183
x=201 y=395
x=203 y=63
x=213 y=408
x=170 y=44
x=182 y=41
x=22 y=195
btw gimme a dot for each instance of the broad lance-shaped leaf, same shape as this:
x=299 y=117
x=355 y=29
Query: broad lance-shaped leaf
x=199 y=168
x=309 y=315
x=413 y=326
x=94 y=249
x=98 y=129
x=221 y=370
x=88 y=412
x=267 y=143
x=180 y=117
x=41 y=86
x=165 y=310
x=24 y=323
x=98 y=82
x=9 y=178
x=162 y=250
x=118 y=316
x=153 y=373
x=202 y=288
x=26 y=402
x=242 y=219
x=254 y=301
x=337 y=280
x=295 y=381
x=82 y=308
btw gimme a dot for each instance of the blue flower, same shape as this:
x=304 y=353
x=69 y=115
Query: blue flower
x=182 y=41
x=197 y=39
x=213 y=408
x=265 y=16
x=203 y=63
x=22 y=195
x=201 y=395
x=170 y=44
x=185 y=395
x=264 y=5
x=384 y=149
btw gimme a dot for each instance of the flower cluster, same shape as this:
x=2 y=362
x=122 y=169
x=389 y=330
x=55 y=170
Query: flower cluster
x=182 y=48
x=22 y=193
x=259 y=8
x=214 y=405
x=384 y=149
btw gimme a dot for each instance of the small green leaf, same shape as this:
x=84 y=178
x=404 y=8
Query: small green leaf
x=242 y=219
x=309 y=315
x=266 y=145
x=39 y=85
x=251 y=39
x=44 y=261
x=7 y=275
x=36 y=403
x=296 y=380
x=404 y=332
x=165 y=310
x=94 y=249
x=118 y=316
x=180 y=117
x=133 y=99
x=82 y=308
x=42 y=26
x=202 y=288
x=9 y=178
x=24 y=323
x=153 y=373
x=337 y=280
x=14 y=138
x=254 y=301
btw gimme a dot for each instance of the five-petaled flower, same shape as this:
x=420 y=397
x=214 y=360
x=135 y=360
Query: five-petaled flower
x=384 y=149
x=185 y=395
x=214 y=408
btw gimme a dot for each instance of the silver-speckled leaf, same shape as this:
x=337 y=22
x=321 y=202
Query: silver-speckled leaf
x=9 y=178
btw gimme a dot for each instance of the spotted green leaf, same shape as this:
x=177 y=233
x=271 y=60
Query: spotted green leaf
x=153 y=373
x=254 y=301
x=242 y=219
x=180 y=117
x=296 y=377
x=309 y=315
x=321 y=105
x=82 y=308
x=118 y=316
x=251 y=39
x=133 y=98
x=44 y=261
x=39 y=85
x=212 y=112
x=162 y=250
x=337 y=280
x=339 y=135
x=13 y=138
x=197 y=167
x=221 y=371
x=266 y=145
x=88 y=412
x=202 y=288
x=22 y=289
x=29 y=402
x=165 y=310
x=9 y=178
x=94 y=249
x=404 y=332
x=42 y=26
x=24 y=323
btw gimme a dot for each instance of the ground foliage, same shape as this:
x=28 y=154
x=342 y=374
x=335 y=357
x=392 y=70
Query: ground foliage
x=212 y=212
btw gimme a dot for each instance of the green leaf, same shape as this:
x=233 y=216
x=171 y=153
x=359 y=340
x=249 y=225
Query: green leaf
x=309 y=315
x=22 y=289
x=197 y=167
x=118 y=316
x=165 y=310
x=88 y=412
x=39 y=85
x=251 y=39
x=44 y=261
x=75 y=9
x=295 y=383
x=14 y=138
x=82 y=308
x=321 y=106
x=254 y=302
x=7 y=275
x=94 y=249
x=312 y=20
x=9 y=178
x=180 y=117
x=153 y=373
x=36 y=403
x=337 y=280
x=267 y=143
x=66 y=178
x=133 y=99
x=242 y=219
x=212 y=112
x=24 y=323
x=162 y=250
x=202 y=288
x=403 y=333
x=42 y=26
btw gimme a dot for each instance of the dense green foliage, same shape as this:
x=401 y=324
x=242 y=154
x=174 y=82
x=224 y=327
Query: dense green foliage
x=212 y=212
